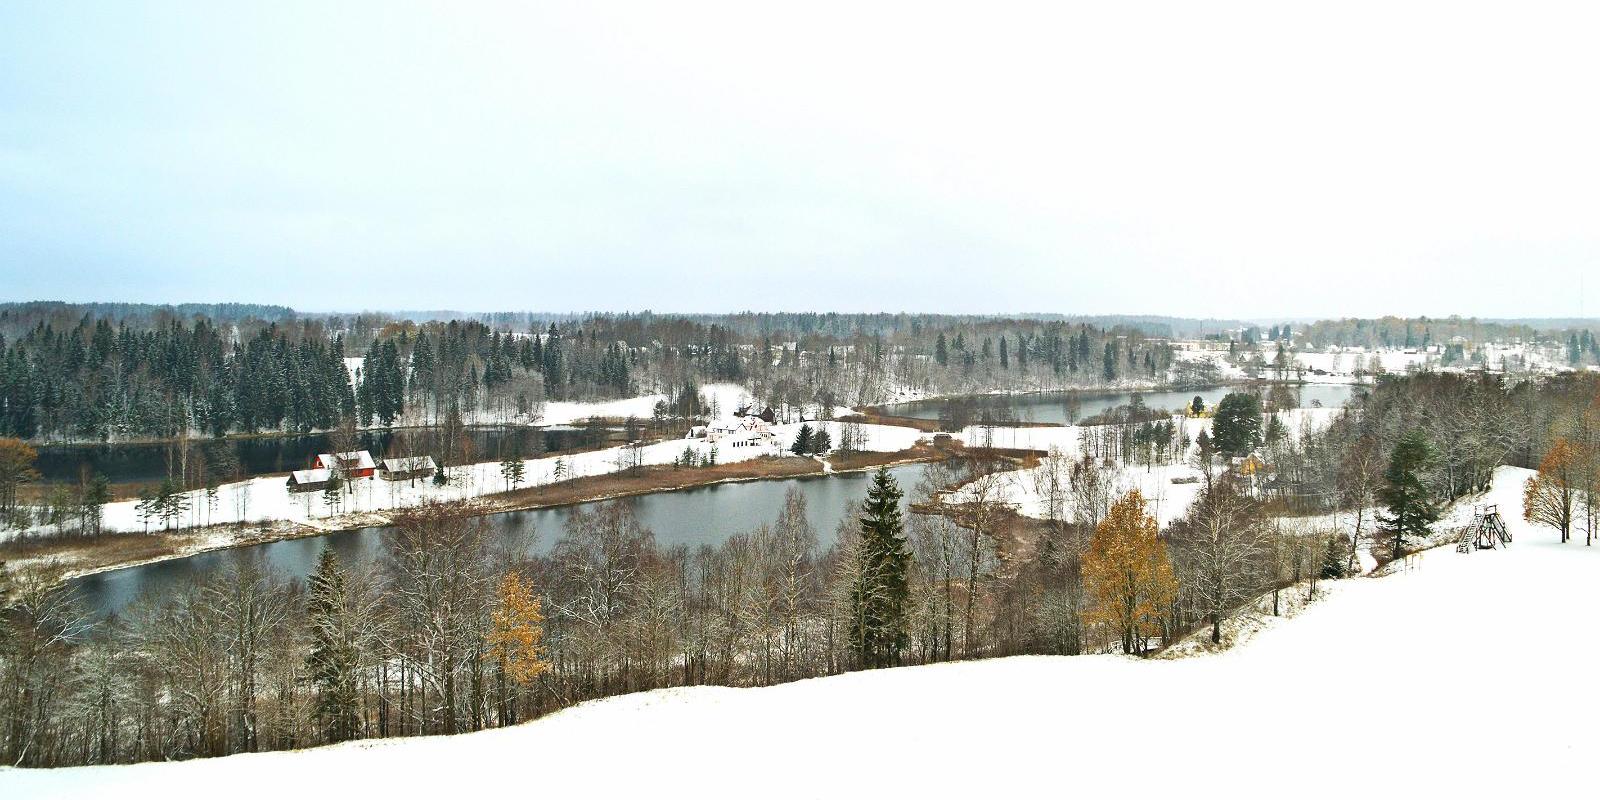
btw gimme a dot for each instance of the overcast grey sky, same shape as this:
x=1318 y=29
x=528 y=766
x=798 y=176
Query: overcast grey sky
x=1232 y=160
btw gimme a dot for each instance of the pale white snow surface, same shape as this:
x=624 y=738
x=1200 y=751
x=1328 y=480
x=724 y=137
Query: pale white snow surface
x=563 y=412
x=1465 y=676
x=725 y=398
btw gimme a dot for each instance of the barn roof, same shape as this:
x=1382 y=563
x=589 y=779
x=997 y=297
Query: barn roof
x=408 y=464
x=355 y=459
x=304 y=476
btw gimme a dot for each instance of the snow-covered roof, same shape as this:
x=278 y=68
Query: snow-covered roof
x=355 y=459
x=739 y=425
x=317 y=475
x=409 y=464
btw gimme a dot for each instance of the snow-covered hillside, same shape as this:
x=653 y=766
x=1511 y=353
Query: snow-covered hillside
x=1466 y=675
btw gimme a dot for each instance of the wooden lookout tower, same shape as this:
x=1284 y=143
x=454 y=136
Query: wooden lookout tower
x=1486 y=531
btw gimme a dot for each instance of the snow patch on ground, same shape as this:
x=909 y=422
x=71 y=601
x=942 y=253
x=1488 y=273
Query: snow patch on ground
x=562 y=412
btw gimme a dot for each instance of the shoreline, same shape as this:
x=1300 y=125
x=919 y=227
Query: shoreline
x=187 y=542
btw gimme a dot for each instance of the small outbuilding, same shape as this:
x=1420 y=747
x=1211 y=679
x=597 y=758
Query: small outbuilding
x=763 y=413
x=407 y=469
x=309 y=480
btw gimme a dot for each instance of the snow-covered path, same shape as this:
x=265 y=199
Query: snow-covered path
x=1468 y=676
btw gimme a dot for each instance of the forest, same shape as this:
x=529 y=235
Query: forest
x=72 y=373
x=446 y=634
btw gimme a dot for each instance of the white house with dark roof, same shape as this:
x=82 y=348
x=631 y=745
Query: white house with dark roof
x=746 y=431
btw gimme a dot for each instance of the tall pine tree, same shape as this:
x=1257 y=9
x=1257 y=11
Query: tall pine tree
x=879 y=598
x=334 y=661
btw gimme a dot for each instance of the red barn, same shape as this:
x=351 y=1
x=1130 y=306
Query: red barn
x=354 y=464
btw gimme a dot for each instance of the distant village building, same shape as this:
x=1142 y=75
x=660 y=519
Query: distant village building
x=764 y=413
x=309 y=480
x=354 y=464
x=407 y=469
x=745 y=431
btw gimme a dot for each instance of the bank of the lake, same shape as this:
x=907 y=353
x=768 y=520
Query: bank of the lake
x=691 y=516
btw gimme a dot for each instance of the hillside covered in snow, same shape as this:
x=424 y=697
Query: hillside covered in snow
x=1463 y=673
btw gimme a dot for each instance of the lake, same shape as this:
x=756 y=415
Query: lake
x=1051 y=408
x=692 y=517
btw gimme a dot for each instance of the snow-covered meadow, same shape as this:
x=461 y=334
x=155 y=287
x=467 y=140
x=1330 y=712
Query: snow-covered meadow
x=1165 y=500
x=1463 y=676
x=1341 y=364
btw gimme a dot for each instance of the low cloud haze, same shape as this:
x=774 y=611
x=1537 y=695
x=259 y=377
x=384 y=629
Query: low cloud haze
x=1234 y=160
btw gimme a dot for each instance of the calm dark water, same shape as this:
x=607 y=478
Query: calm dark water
x=264 y=455
x=1052 y=407
x=693 y=517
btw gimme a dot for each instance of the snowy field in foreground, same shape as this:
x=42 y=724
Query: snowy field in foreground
x=1467 y=674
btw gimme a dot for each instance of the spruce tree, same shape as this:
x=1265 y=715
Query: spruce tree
x=802 y=441
x=334 y=661
x=511 y=470
x=879 y=598
x=331 y=493
x=821 y=442
x=1411 y=509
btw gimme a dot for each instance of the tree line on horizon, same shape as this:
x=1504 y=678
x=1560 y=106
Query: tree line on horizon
x=103 y=378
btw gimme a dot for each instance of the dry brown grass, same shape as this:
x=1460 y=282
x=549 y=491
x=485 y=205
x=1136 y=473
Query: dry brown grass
x=649 y=479
x=58 y=554
x=873 y=417
x=844 y=462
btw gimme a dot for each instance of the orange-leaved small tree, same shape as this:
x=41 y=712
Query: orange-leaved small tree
x=516 y=641
x=1551 y=496
x=1127 y=573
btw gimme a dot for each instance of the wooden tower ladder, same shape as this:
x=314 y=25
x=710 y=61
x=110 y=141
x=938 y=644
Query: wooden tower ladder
x=1486 y=531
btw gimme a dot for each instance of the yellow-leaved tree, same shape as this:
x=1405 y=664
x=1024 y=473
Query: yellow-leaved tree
x=1127 y=574
x=516 y=641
